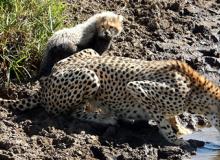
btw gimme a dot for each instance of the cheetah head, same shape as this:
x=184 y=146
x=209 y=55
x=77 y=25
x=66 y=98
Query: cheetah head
x=109 y=25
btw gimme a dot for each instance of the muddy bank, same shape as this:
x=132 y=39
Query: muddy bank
x=36 y=134
x=177 y=29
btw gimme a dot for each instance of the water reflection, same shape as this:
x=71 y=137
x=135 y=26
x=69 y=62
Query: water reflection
x=211 y=150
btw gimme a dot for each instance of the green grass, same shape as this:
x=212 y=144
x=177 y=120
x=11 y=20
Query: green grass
x=25 y=26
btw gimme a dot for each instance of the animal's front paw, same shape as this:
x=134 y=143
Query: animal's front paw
x=181 y=142
x=185 y=145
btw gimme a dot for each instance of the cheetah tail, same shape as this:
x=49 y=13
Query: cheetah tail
x=21 y=104
x=197 y=79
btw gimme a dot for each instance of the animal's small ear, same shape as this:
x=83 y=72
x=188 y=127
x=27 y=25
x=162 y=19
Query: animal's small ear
x=103 y=19
x=120 y=18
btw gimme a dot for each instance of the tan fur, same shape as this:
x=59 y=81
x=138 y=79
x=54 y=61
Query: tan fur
x=113 y=22
x=197 y=79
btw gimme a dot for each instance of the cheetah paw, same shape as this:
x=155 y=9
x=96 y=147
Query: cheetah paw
x=181 y=142
x=185 y=145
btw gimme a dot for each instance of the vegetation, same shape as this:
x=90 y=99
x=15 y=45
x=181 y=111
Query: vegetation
x=25 y=26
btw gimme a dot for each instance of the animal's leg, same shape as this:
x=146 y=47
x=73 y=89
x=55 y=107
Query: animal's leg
x=166 y=129
x=100 y=45
x=68 y=88
x=96 y=117
x=214 y=119
x=146 y=92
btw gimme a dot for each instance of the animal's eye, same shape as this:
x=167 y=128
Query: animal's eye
x=111 y=27
x=102 y=26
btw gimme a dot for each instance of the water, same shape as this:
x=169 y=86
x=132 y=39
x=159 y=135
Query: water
x=211 y=150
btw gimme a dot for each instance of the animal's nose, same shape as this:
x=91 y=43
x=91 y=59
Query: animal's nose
x=106 y=33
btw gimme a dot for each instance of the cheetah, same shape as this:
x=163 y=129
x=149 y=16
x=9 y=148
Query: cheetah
x=97 y=33
x=125 y=88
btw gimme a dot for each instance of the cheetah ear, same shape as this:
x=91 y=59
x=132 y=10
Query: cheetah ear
x=103 y=19
x=120 y=18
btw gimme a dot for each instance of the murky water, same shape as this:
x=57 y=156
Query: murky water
x=211 y=150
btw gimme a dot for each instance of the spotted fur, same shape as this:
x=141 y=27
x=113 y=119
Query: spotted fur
x=127 y=89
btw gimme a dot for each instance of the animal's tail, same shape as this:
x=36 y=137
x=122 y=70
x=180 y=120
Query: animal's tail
x=21 y=104
x=197 y=79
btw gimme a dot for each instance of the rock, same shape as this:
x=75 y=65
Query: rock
x=201 y=29
x=215 y=38
x=5 y=144
x=98 y=153
x=5 y=157
x=171 y=153
x=3 y=128
x=210 y=52
x=212 y=61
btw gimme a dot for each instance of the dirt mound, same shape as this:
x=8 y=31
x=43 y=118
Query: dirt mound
x=177 y=29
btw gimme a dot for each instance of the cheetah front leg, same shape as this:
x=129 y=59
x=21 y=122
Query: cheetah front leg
x=165 y=128
x=147 y=92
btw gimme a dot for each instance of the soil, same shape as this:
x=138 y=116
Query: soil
x=163 y=29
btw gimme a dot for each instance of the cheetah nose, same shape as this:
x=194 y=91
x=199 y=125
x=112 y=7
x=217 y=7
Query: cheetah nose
x=106 y=33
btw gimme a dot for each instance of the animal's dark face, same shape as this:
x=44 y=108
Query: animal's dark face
x=109 y=27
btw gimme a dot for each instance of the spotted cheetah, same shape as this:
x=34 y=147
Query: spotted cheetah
x=125 y=88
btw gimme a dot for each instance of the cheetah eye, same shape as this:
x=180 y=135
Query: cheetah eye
x=102 y=26
x=111 y=27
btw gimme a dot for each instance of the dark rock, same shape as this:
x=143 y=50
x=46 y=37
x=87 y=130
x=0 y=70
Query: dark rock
x=64 y=142
x=209 y=52
x=215 y=38
x=175 y=7
x=98 y=153
x=201 y=29
x=170 y=153
x=5 y=157
x=5 y=144
x=212 y=61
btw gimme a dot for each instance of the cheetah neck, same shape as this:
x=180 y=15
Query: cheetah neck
x=202 y=101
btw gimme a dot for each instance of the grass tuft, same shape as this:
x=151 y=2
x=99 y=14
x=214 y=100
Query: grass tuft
x=25 y=26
